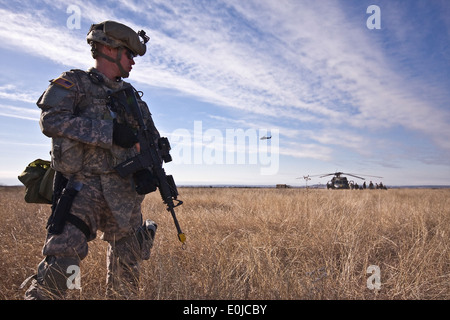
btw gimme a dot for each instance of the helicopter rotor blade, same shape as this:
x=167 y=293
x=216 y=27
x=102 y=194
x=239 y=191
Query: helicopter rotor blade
x=366 y=175
x=375 y=177
x=314 y=175
x=328 y=174
x=338 y=174
x=350 y=174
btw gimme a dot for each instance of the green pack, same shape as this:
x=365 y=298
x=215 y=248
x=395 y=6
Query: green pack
x=38 y=180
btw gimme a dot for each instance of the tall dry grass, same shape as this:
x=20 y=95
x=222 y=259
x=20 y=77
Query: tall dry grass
x=264 y=244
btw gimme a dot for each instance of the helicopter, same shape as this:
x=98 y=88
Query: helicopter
x=339 y=181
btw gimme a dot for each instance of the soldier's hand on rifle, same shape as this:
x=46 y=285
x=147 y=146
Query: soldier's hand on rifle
x=123 y=135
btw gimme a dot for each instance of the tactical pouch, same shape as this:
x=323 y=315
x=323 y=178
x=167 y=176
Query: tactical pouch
x=38 y=180
x=146 y=236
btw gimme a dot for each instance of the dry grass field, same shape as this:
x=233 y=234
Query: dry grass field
x=263 y=244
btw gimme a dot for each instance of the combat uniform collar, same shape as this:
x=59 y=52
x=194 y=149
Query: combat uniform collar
x=100 y=78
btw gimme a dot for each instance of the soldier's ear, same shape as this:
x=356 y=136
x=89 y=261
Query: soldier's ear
x=109 y=51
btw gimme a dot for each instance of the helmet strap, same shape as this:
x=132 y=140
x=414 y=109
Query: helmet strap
x=123 y=73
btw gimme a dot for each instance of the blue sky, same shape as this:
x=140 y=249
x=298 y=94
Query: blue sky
x=220 y=75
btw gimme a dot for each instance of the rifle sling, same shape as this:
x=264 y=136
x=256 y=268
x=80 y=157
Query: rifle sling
x=80 y=224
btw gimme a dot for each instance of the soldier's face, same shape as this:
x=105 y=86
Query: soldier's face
x=127 y=60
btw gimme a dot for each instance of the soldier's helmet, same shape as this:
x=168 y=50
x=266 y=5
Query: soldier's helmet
x=115 y=34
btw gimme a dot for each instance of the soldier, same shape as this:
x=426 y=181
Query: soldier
x=89 y=138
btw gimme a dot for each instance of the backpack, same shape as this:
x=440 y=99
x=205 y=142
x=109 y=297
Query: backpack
x=38 y=180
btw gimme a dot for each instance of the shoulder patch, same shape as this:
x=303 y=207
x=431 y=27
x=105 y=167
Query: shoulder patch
x=63 y=83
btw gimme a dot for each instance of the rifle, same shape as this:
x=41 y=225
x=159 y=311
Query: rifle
x=150 y=154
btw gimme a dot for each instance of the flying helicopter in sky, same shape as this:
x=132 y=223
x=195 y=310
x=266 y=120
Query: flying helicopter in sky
x=339 y=179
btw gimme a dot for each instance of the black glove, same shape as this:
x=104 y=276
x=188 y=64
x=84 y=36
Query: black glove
x=123 y=135
x=144 y=181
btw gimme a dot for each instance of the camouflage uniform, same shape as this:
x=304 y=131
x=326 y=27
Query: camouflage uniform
x=77 y=116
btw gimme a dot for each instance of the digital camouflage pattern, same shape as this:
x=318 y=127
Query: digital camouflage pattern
x=77 y=116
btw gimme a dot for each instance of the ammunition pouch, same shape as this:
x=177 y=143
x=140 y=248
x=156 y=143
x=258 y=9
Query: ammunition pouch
x=146 y=235
x=64 y=193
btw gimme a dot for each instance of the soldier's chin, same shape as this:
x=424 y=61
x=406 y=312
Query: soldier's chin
x=125 y=74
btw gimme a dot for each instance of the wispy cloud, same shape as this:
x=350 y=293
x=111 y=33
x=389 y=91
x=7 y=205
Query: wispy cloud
x=329 y=72
x=20 y=113
x=45 y=40
x=304 y=66
x=11 y=92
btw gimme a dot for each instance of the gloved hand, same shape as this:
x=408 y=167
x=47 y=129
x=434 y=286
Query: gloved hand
x=144 y=181
x=123 y=135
